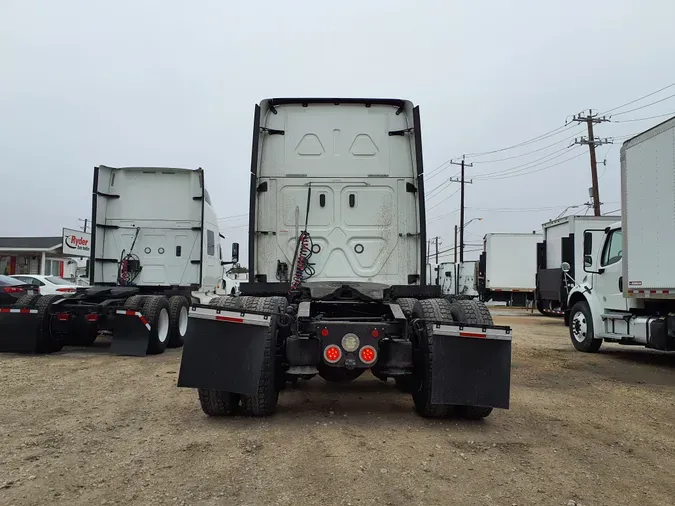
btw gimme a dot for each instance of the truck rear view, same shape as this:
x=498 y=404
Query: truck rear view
x=155 y=241
x=337 y=273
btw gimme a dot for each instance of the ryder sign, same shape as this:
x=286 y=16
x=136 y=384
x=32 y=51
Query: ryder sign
x=76 y=243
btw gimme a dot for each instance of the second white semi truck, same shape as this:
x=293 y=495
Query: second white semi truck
x=625 y=290
x=155 y=251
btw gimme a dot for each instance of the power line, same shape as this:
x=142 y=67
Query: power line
x=644 y=106
x=643 y=119
x=638 y=99
x=531 y=152
x=546 y=135
x=528 y=165
x=441 y=201
x=506 y=176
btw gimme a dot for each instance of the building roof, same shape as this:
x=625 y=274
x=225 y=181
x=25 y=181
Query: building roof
x=32 y=243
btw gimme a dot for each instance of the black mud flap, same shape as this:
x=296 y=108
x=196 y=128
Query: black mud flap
x=223 y=350
x=130 y=334
x=472 y=365
x=20 y=330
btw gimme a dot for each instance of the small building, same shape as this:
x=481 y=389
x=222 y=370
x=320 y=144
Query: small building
x=43 y=255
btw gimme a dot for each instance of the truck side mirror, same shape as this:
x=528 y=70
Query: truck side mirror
x=565 y=267
x=588 y=244
x=235 y=252
x=588 y=260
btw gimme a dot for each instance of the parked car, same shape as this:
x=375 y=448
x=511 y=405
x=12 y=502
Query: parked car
x=11 y=289
x=48 y=285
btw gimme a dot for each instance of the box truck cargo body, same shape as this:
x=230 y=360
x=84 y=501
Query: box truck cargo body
x=626 y=291
x=562 y=242
x=507 y=268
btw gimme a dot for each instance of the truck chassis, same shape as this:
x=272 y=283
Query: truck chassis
x=240 y=351
x=140 y=324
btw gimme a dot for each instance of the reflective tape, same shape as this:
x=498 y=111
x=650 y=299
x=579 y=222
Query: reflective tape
x=230 y=316
x=131 y=312
x=472 y=331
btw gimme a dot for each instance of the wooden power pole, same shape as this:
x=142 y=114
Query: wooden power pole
x=461 y=207
x=590 y=119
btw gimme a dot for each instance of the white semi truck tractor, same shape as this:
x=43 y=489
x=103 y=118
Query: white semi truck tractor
x=155 y=249
x=626 y=292
x=337 y=273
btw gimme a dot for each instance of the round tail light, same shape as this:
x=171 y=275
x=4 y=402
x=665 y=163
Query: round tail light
x=332 y=354
x=368 y=355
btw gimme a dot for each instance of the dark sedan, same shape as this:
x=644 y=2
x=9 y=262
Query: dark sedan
x=11 y=289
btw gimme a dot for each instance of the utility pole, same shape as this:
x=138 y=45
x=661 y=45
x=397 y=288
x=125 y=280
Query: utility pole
x=86 y=222
x=455 y=244
x=436 y=250
x=590 y=119
x=461 y=208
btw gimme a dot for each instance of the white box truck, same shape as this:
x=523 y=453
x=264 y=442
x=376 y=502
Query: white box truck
x=507 y=268
x=338 y=273
x=155 y=250
x=562 y=242
x=626 y=291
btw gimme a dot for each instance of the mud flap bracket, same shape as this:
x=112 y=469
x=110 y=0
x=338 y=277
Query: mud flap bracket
x=223 y=350
x=472 y=365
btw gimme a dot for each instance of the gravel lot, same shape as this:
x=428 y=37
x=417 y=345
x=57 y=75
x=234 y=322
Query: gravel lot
x=85 y=427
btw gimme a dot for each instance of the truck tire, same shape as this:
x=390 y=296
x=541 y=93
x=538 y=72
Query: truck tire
x=581 y=328
x=338 y=374
x=28 y=300
x=136 y=302
x=156 y=312
x=406 y=306
x=226 y=301
x=47 y=343
x=218 y=403
x=178 y=320
x=421 y=384
x=264 y=401
x=476 y=313
x=470 y=311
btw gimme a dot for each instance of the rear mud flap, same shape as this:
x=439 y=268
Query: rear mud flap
x=472 y=366
x=223 y=350
x=130 y=334
x=20 y=330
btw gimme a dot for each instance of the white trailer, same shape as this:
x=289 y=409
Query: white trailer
x=562 y=242
x=459 y=279
x=508 y=267
x=626 y=293
x=155 y=251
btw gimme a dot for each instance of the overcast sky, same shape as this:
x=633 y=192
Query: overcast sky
x=174 y=83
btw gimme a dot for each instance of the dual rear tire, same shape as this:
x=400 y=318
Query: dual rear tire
x=421 y=383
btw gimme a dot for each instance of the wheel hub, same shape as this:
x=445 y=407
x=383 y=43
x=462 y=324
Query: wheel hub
x=579 y=327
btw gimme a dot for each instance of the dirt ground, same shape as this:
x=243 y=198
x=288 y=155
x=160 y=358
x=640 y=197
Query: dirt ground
x=84 y=427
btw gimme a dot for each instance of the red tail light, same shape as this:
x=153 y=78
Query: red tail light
x=92 y=317
x=324 y=332
x=375 y=333
x=368 y=354
x=63 y=317
x=332 y=354
x=67 y=290
x=14 y=289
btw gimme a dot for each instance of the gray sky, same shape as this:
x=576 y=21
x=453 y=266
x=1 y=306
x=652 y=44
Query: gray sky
x=174 y=83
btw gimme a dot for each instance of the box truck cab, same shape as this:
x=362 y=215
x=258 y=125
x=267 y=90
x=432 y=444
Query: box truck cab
x=626 y=293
